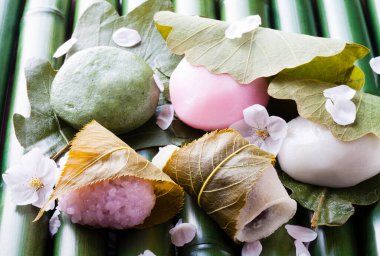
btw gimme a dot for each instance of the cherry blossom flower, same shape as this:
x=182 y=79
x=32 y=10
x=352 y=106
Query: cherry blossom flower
x=65 y=47
x=266 y=132
x=339 y=104
x=252 y=249
x=182 y=233
x=237 y=28
x=126 y=37
x=32 y=180
x=165 y=116
x=147 y=253
x=375 y=64
x=54 y=222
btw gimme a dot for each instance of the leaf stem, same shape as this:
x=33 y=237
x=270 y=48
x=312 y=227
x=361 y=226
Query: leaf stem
x=317 y=213
x=60 y=152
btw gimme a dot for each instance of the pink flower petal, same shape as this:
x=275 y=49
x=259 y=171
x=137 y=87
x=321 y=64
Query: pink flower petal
x=243 y=128
x=301 y=233
x=165 y=117
x=159 y=83
x=182 y=234
x=272 y=146
x=277 y=127
x=301 y=249
x=256 y=116
x=54 y=223
x=375 y=64
x=252 y=249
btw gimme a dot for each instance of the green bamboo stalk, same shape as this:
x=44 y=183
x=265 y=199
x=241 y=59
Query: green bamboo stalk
x=373 y=8
x=368 y=229
x=129 y=5
x=82 y=5
x=43 y=30
x=156 y=239
x=231 y=10
x=203 y=8
x=343 y=19
x=210 y=239
x=294 y=16
x=10 y=13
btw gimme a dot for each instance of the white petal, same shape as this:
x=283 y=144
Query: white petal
x=339 y=92
x=301 y=249
x=65 y=47
x=62 y=161
x=16 y=175
x=160 y=159
x=375 y=64
x=22 y=194
x=251 y=249
x=272 y=146
x=43 y=196
x=243 y=128
x=342 y=111
x=48 y=172
x=301 y=233
x=126 y=37
x=159 y=83
x=31 y=160
x=239 y=27
x=256 y=116
x=182 y=234
x=147 y=253
x=165 y=117
x=277 y=127
x=54 y=223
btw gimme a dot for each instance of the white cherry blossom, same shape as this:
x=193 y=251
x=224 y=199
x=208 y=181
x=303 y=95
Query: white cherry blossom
x=266 y=132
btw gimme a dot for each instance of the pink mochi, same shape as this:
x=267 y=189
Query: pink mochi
x=208 y=101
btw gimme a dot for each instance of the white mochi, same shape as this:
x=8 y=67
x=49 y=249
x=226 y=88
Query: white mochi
x=311 y=154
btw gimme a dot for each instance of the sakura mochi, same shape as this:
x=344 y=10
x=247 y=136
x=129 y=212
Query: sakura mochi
x=121 y=203
x=210 y=101
x=311 y=154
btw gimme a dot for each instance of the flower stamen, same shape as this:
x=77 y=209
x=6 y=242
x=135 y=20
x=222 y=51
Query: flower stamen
x=262 y=133
x=36 y=183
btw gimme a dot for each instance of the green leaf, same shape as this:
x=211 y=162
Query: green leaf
x=97 y=24
x=308 y=94
x=261 y=53
x=42 y=129
x=332 y=206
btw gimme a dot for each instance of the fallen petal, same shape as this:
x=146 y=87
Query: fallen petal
x=301 y=233
x=65 y=47
x=126 y=37
x=147 y=253
x=375 y=64
x=54 y=223
x=342 y=111
x=252 y=249
x=159 y=83
x=301 y=249
x=239 y=27
x=339 y=92
x=165 y=117
x=182 y=234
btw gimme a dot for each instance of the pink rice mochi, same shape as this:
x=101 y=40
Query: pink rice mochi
x=119 y=204
x=210 y=101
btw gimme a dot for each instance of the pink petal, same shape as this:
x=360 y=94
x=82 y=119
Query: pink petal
x=342 y=111
x=277 y=127
x=54 y=223
x=375 y=64
x=165 y=117
x=182 y=233
x=256 y=116
x=252 y=249
x=159 y=83
x=301 y=249
x=272 y=146
x=301 y=233
x=243 y=128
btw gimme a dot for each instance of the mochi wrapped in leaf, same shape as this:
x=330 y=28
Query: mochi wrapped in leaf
x=105 y=183
x=234 y=182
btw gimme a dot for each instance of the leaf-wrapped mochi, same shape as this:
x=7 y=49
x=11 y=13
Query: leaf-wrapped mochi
x=234 y=182
x=112 y=86
x=99 y=166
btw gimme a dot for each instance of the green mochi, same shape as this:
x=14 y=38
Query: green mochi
x=112 y=86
